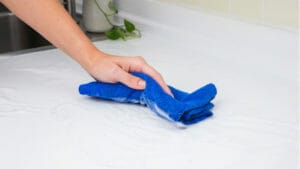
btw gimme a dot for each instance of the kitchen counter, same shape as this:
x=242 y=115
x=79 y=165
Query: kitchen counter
x=45 y=123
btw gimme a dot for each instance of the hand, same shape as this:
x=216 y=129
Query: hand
x=112 y=69
x=107 y=68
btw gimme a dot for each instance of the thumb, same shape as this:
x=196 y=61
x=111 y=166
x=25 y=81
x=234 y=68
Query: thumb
x=132 y=81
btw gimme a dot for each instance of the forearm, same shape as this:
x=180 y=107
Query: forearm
x=50 y=19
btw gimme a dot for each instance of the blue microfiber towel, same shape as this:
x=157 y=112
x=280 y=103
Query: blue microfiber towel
x=183 y=109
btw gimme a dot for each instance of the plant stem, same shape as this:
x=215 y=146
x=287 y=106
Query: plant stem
x=105 y=15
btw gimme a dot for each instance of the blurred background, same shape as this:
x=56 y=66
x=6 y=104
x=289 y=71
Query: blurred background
x=282 y=14
x=278 y=13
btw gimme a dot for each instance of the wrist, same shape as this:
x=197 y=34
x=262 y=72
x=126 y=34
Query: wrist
x=90 y=57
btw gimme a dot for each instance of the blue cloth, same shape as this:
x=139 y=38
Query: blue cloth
x=184 y=108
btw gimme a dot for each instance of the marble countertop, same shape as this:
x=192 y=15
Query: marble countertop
x=45 y=123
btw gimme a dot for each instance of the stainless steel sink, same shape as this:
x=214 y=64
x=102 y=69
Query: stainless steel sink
x=15 y=35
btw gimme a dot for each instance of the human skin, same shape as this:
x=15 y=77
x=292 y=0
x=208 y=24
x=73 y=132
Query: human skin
x=51 y=20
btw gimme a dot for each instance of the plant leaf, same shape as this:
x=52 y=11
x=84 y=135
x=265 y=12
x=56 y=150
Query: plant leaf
x=112 y=34
x=129 y=26
x=121 y=32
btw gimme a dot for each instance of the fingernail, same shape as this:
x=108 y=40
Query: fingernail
x=142 y=83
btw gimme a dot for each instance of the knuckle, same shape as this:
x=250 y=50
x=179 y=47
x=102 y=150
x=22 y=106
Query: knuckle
x=140 y=59
x=115 y=71
x=153 y=72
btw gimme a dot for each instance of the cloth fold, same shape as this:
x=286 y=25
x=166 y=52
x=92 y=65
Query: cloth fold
x=183 y=109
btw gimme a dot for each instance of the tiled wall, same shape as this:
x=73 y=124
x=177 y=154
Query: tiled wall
x=278 y=13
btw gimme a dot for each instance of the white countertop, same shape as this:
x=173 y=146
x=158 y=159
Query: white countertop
x=45 y=123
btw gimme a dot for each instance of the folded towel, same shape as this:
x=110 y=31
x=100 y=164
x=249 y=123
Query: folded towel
x=183 y=109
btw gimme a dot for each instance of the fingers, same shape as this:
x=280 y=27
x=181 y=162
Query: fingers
x=117 y=69
x=130 y=80
x=147 y=69
x=158 y=78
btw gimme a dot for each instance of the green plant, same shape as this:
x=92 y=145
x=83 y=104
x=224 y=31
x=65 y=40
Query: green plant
x=126 y=31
